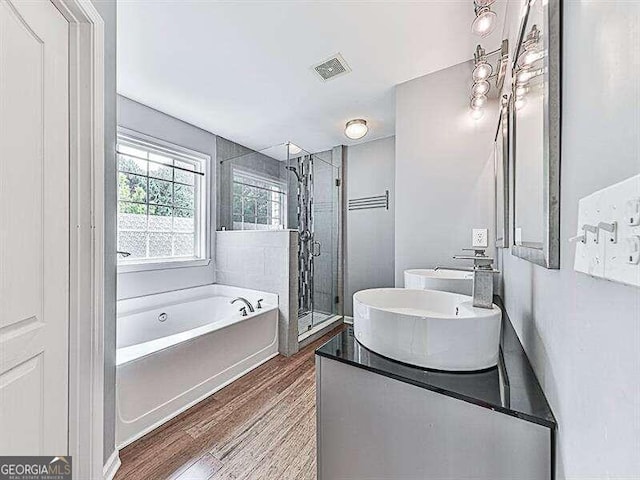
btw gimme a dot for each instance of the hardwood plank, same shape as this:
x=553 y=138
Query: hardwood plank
x=262 y=426
x=262 y=441
x=202 y=469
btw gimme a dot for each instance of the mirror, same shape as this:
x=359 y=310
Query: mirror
x=535 y=135
x=501 y=169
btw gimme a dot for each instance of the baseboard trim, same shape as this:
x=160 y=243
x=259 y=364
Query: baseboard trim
x=112 y=466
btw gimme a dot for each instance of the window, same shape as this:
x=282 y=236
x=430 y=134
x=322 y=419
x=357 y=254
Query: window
x=162 y=202
x=258 y=203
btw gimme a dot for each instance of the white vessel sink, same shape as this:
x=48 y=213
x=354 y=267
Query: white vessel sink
x=454 y=281
x=427 y=328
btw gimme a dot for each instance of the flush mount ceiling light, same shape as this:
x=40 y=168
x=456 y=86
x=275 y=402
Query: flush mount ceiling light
x=485 y=22
x=356 y=129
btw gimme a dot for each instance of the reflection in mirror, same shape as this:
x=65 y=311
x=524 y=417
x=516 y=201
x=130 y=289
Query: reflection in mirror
x=534 y=127
x=501 y=169
x=529 y=138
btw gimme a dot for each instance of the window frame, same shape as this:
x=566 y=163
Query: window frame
x=202 y=202
x=250 y=175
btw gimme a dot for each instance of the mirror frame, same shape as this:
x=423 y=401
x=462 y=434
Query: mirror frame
x=549 y=255
x=502 y=162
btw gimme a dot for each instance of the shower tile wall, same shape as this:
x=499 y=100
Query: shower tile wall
x=229 y=155
x=292 y=202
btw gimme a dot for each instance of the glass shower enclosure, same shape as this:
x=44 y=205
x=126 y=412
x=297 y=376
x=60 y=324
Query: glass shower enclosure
x=315 y=179
x=284 y=186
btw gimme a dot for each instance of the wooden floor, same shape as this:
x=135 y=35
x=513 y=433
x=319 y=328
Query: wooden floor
x=262 y=426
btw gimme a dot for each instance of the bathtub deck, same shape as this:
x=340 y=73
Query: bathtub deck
x=260 y=427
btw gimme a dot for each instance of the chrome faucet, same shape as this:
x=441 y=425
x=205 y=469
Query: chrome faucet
x=483 y=272
x=457 y=269
x=243 y=309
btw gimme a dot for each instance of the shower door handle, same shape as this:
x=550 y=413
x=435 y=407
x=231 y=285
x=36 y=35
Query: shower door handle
x=319 y=251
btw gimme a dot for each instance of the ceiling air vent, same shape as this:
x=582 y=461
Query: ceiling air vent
x=332 y=67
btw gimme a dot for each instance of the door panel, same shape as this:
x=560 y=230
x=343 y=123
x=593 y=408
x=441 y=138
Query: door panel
x=21 y=390
x=34 y=228
x=325 y=236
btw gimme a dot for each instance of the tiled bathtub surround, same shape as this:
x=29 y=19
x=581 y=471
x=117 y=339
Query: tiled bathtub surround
x=267 y=261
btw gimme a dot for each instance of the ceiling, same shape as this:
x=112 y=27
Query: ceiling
x=243 y=69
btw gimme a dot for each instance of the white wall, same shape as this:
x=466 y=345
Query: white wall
x=143 y=119
x=369 y=170
x=583 y=334
x=444 y=175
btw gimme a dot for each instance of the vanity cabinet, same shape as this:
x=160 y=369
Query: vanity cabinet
x=380 y=419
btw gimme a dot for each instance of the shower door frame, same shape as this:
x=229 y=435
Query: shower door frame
x=337 y=250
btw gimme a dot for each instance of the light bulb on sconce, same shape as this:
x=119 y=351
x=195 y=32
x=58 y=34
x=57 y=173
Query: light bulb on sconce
x=482 y=71
x=479 y=101
x=480 y=88
x=530 y=55
x=485 y=22
x=521 y=90
x=528 y=58
x=523 y=76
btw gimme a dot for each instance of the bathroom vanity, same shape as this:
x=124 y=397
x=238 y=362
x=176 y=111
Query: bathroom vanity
x=378 y=418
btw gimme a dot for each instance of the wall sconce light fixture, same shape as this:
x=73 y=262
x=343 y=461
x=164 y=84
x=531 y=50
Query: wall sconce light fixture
x=483 y=72
x=485 y=22
x=526 y=67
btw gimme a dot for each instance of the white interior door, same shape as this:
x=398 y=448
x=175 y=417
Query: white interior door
x=34 y=228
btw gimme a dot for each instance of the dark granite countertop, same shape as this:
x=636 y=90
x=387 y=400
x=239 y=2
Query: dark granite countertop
x=510 y=388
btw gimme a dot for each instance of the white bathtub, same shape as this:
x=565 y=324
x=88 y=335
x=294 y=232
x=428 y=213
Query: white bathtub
x=165 y=367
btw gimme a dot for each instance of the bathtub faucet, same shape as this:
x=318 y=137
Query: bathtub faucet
x=246 y=302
